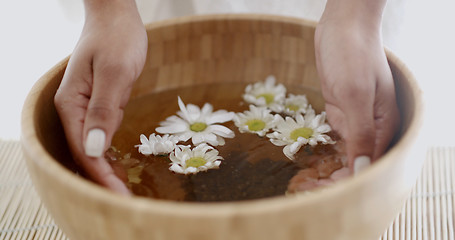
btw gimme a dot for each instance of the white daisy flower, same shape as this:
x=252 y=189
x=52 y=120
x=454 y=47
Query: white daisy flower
x=257 y=120
x=293 y=134
x=198 y=124
x=156 y=144
x=266 y=94
x=201 y=158
x=296 y=104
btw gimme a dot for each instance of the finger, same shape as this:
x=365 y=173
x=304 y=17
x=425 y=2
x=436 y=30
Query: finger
x=110 y=92
x=102 y=172
x=360 y=125
x=71 y=101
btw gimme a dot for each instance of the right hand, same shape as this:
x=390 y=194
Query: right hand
x=97 y=83
x=356 y=79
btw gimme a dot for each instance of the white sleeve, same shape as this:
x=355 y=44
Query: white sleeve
x=310 y=9
x=155 y=10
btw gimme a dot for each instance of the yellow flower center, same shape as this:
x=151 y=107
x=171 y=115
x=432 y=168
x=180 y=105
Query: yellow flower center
x=195 y=162
x=269 y=97
x=301 y=132
x=255 y=125
x=292 y=107
x=198 y=127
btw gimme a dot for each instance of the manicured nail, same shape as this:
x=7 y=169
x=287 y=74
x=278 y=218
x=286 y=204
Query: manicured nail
x=94 y=144
x=360 y=163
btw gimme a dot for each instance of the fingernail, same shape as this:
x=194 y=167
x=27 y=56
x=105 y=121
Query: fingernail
x=360 y=163
x=94 y=144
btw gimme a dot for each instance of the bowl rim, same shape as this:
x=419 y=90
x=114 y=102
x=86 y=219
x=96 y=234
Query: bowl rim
x=29 y=141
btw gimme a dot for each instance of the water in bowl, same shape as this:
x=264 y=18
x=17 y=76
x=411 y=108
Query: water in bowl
x=252 y=168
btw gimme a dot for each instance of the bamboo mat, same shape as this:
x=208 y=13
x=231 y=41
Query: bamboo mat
x=22 y=215
x=428 y=213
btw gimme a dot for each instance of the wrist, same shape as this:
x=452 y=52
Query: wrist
x=102 y=9
x=361 y=13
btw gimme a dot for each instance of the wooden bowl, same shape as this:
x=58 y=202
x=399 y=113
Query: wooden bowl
x=222 y=48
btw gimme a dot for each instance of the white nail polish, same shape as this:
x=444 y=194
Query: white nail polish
x=94 y=144
x=360 y=163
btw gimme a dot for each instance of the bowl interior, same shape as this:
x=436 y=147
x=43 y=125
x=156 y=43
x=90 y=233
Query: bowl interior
x=218 y=50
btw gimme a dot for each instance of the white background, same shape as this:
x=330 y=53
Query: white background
x=35 y=35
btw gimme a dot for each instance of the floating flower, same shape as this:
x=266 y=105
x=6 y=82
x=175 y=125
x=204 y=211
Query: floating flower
x=266 y=94
x=156 y=144
x=201 y=158
x=198 y=124
x=296 y=104
x=293 y=134
x=257 y=120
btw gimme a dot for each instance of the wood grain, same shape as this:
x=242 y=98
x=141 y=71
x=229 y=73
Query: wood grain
x=223 y=48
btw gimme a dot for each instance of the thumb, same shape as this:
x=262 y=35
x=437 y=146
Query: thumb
x=110 y=93
x=387 y=117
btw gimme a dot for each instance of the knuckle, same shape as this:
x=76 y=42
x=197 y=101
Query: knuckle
x=355 y=96
x=120 y=65
x=364 y=140
x=116 y=69
x=58 y=98
x=61 y=100
x=101 y=110
x=352 y=90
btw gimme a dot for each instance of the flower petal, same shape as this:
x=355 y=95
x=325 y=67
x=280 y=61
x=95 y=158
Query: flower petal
x=270 y=81
x=210 y=138
x=219 y=116
x=194 y=113
x=144 y=139
x=325 y=128
x=175 y=128
x=313 y=142
x=288 y=153
x=176 y=168
x=185 y=135
x=173 y=120
x=221 y=130
x=190 y=170
x=202 y=148
x=278 y=142
x=207 y=109
x=197 y=138
x=202 y=168
x=183 y=109
x=295 y=147
x=220 y=141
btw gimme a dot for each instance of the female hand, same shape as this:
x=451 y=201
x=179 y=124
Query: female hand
x=97 y=83
x=356 y=80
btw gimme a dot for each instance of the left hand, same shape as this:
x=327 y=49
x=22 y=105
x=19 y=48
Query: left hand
x=97 y=83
